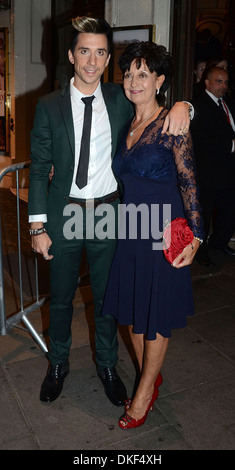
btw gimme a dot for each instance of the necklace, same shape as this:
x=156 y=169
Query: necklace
x=133 y=130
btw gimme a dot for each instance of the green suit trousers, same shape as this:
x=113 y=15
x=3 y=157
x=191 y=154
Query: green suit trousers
x=64 y=275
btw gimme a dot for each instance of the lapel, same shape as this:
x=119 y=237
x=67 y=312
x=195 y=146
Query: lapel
x=66 y=110
x=112 y=113
x=217 y=112
x=230 y=105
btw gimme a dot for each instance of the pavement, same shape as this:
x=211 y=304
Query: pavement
x=196 y=405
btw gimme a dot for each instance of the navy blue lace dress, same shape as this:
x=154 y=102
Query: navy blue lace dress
x=144 y=290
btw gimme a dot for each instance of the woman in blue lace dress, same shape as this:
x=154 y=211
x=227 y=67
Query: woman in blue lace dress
x=145 y=291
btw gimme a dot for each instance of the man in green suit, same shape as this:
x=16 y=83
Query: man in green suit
x=56 y=141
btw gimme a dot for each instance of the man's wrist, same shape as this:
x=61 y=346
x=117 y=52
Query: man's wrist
x=36 y=228
x=37 y=231
x=36 y=225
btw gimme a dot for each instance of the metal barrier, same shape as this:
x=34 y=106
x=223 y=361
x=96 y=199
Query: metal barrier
x=10 y=322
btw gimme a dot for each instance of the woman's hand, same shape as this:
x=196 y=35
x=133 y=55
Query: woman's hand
x=186 y=257
x=177 y=120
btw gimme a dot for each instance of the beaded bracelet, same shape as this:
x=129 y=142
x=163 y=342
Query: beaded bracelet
x=199 y=239
x=37 y=231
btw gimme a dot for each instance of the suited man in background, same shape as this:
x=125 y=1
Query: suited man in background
x=213 y=133
x=56 y=140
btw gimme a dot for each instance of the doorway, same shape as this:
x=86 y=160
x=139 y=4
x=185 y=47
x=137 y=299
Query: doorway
x=189 y=19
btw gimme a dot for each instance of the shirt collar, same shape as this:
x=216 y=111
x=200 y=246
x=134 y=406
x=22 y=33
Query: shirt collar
x=77 y=95
x=213 y=97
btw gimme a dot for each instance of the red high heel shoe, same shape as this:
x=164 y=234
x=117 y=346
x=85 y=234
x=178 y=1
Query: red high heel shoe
x=135 y=423
x=157 y=384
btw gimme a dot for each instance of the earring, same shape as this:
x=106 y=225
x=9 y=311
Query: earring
x=157 y=91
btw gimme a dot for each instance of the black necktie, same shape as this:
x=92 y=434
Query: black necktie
x=81 y=178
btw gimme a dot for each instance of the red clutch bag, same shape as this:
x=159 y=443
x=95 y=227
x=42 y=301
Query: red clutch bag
x=176 y=236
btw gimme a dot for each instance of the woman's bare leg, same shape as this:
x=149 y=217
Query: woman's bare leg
x=154 y=352
x=138 y=345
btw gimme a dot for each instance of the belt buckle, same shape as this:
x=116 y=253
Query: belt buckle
x=89 y=203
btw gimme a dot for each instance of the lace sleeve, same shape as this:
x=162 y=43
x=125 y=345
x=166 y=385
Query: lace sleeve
x=184 y=159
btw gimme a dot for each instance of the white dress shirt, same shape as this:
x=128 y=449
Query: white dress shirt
x=101 y=180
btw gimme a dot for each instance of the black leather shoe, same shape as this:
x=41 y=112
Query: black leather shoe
x=53 y=383
x=222 y=247
x=227 y=249
x=204 y=260
x=113 y=386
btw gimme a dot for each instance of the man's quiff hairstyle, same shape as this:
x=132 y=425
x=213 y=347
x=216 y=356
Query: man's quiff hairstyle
x=85 y=24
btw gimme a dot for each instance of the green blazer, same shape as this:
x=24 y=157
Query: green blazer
x=52 y=143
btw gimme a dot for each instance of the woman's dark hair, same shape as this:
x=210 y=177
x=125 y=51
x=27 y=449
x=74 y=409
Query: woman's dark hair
x=90 y=25
x=156 y=58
